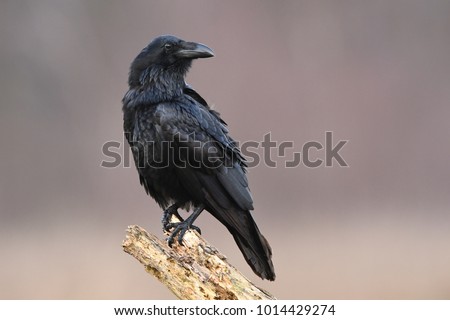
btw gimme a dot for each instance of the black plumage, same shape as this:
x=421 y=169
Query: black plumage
x=183 y=153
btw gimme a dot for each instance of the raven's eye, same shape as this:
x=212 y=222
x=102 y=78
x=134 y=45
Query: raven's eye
x=168 y=46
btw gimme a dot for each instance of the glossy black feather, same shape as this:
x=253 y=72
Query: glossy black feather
x=182 y=149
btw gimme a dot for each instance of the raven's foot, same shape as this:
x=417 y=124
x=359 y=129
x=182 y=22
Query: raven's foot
x=180 y=230
x=167 y=216
x=183 y=226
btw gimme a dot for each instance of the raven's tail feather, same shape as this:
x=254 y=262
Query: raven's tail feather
x=255 y=248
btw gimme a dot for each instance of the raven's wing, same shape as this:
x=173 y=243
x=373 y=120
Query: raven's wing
x=221 y=185
x=188 y=90
x=202 y=144
x=194 y=95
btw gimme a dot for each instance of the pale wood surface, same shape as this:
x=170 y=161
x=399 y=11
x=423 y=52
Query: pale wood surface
x=195 y=270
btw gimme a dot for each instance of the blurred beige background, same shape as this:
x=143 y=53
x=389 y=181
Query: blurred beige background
x=376 y=73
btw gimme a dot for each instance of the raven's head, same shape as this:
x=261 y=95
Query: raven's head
x=165 y=54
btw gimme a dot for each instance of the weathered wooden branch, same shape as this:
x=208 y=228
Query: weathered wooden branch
x=195 y=270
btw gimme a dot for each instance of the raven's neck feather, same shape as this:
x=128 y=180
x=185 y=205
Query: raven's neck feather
x=156 y=84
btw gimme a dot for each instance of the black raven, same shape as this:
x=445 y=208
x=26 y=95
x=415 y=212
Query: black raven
x=183 y=154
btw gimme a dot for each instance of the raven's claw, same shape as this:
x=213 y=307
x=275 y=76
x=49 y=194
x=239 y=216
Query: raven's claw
x=167 y=216
x=180 y=230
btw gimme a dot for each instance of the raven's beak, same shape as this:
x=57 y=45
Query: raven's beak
x=193 y=50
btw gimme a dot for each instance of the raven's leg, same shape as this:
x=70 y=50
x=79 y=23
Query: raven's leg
x=182 y=227
x=167 y=215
